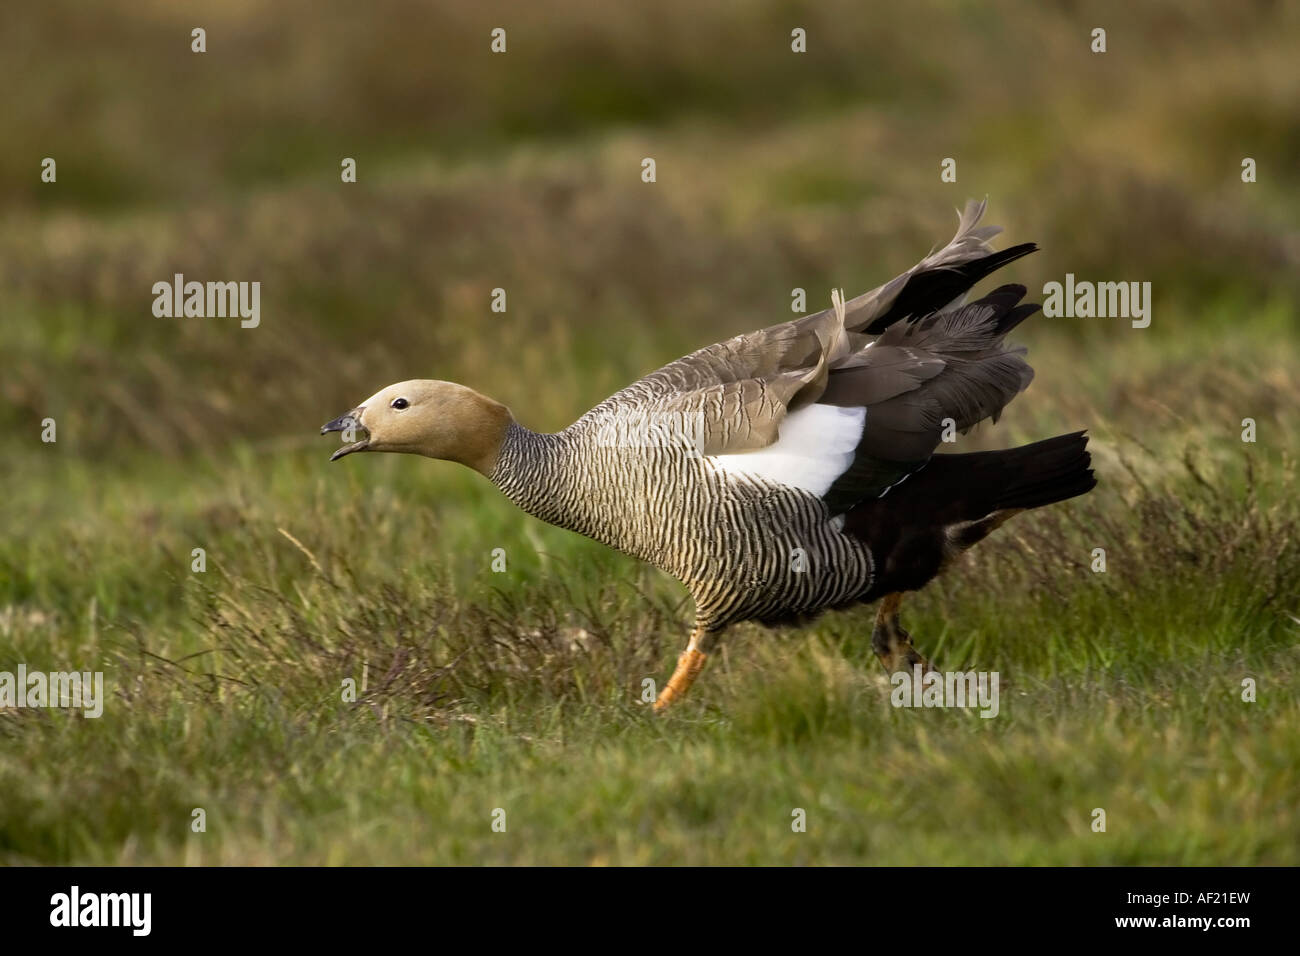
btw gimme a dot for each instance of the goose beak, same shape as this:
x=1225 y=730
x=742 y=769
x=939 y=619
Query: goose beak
x=349 y=424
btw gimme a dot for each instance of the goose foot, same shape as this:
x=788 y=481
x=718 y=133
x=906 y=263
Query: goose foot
x=892 y=644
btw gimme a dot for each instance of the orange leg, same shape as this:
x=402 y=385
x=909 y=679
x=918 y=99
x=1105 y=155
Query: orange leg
x=689 y=665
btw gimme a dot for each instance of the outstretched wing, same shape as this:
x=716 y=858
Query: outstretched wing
x=819 y=404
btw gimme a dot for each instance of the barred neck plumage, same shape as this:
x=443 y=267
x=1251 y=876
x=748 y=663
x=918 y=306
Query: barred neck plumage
x=602 y=480
x=533 y=470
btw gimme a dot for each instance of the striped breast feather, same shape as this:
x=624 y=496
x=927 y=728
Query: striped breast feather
x=816 y=445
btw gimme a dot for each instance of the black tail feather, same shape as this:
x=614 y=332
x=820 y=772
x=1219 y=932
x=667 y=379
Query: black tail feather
x=977 y=484
x=956 y=500
x=929 y=291
x=1045 y=472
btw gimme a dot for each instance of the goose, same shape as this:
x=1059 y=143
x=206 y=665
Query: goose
x=783 y=472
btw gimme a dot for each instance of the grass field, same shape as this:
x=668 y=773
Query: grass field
x=521 y=691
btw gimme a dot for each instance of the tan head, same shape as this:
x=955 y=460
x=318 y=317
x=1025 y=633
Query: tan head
x=425 y=417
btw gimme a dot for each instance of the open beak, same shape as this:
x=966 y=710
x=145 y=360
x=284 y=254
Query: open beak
x=349 y=424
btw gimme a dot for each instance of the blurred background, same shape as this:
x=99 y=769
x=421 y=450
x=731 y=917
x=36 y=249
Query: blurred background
x=522 y=171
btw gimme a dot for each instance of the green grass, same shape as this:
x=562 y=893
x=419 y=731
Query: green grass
x=522 y=690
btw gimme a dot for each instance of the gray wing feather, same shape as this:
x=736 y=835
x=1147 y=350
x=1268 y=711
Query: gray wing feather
x=950 y=364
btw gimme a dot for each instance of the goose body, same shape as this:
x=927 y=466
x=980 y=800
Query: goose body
x=747 y=547
x=784 y=472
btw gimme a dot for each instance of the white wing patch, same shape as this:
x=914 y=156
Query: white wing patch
x=815 y=447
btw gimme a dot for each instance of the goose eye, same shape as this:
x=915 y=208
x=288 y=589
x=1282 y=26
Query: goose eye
x=399 y=403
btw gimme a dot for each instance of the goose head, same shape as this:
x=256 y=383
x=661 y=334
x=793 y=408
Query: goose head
x=426 y=417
